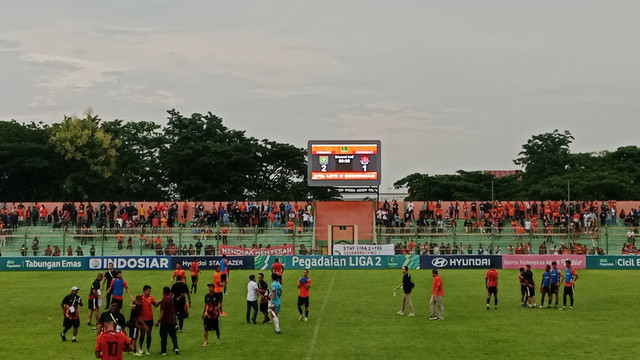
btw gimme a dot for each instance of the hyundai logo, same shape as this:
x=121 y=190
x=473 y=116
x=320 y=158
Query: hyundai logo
x=439 y=262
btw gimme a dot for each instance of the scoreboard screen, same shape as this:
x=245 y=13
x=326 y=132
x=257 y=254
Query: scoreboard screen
x=344 y=163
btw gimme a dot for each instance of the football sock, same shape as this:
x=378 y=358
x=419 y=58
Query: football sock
x=495 y=302
x=306 y=313
x=276 y=322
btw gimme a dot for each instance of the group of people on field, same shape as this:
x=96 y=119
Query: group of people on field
x=112 y=327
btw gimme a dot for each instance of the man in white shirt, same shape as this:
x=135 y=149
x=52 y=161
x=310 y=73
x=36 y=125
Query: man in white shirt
x=252 y=299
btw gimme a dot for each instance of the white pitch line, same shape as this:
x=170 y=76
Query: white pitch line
x=317 y=328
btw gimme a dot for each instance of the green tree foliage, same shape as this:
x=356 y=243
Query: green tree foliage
x=90 y=152
x=545 y=155
x=30 y=169
x=139 y=172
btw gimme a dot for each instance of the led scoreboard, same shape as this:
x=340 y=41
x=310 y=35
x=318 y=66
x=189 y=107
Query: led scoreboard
x=344 y=163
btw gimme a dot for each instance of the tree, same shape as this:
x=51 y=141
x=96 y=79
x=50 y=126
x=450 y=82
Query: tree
x=90 y=151
x=138 y=173
x=30 y=169
x=545 y=155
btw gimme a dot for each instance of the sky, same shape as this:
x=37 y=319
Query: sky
x=445 y=85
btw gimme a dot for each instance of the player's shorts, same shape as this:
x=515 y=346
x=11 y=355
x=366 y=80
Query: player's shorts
x=523 y=290
x=223 y=277
x=492 y=290
x=194 y=279
x=179 y=307
x=149 y=323
x=279 y=278
x=546 y=290
x=568 y=290
x=264 y=307
x=93 y=304
x=218 y=296
x=68 y=323
x=531 y=291
x=275 y=307
x=134 y=332
x=211 y=324
x=303 y=301
x=553 y=288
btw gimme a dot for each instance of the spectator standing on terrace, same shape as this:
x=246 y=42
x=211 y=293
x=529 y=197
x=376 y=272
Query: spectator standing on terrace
x=407 y=287
x=491 y=284
x=437 y=293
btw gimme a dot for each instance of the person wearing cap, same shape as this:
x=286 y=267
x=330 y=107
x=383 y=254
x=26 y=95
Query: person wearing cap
x=491 y=284
x=69 y=307
x=407 y=286
x=211 y=314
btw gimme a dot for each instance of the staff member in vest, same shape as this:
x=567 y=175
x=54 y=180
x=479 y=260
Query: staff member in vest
x=70 y=305
x=304 y=285
x=224 y=272
x=570 y=277
x=117 y=288
x=407 y=286
x=109 y=275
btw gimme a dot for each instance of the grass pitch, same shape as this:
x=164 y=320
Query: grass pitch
x=352 y=316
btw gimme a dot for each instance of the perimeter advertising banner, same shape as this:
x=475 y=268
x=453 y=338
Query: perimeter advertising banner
x=239 y=251
x=460 y=261
x=540 y=261
x=613 y=262
x=210 y=262
x=130 y=262
x=43 y=263
x=356 y=249
x=339 y=262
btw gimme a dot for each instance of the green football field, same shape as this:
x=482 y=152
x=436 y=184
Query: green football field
x=352 y=316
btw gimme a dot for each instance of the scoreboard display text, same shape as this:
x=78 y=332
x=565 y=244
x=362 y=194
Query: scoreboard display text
x=344 y=163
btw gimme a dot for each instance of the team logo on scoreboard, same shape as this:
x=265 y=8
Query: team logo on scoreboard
x=324 y=160
x=364 y=160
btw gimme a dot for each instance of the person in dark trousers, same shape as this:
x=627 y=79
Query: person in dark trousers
x=167 y=322
x=180 y=293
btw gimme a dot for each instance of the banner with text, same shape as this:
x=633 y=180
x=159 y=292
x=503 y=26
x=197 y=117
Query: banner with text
x=540 y=261
x=239 y=251
x=460 y=261
x=210 y=262
x=43 y=263
x=349 y=249
x=264 y=262
x=613 y=262
x=130 y=262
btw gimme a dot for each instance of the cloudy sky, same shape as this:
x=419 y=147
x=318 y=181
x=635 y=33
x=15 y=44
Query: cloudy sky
x=445 y=85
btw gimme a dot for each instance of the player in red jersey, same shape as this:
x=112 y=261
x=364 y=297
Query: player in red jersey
x=278 y=268
x=491 y=284
x=111 y=344
x=195 y=271
x=179 y=271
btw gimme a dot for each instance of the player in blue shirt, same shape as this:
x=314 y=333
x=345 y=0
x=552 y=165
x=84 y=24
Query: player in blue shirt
x=545 y=288
x=274 y=304
x=554 y=288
